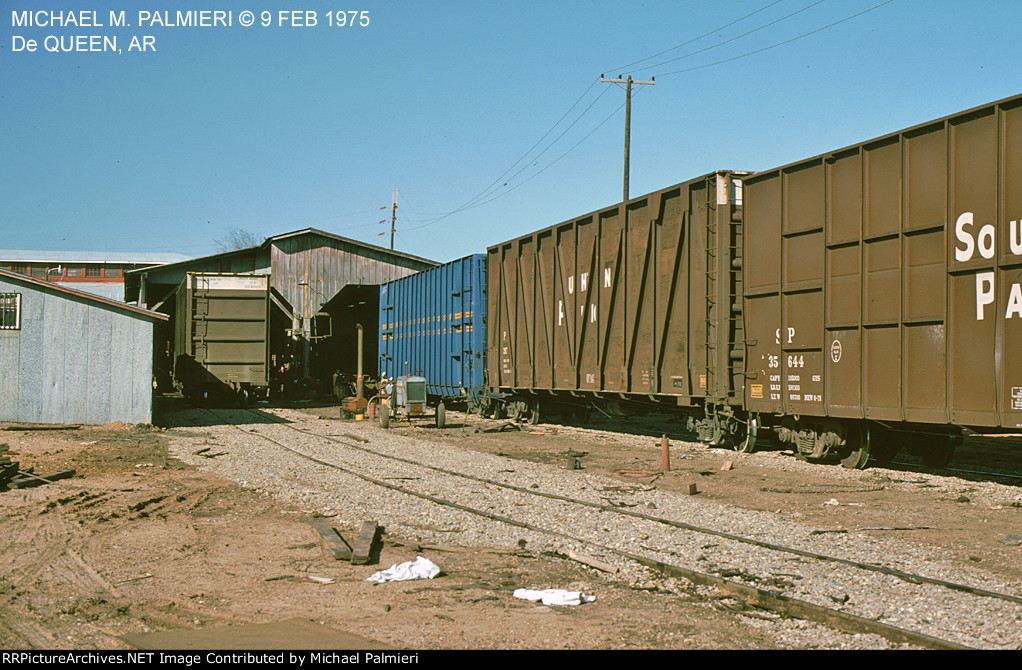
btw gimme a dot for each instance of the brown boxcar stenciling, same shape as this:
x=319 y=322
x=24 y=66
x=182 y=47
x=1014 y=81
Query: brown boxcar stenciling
x=884 y=283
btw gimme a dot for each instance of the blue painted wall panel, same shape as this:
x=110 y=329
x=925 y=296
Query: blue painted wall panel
x=433 y=324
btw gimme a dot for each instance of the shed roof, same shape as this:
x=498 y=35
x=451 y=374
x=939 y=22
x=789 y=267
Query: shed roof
x=297 y=233
x=89 y=297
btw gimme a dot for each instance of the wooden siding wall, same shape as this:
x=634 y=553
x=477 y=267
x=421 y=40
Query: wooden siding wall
x=327 y=266
x=74 y=361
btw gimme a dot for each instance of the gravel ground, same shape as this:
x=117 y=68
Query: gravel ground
x=257 y=464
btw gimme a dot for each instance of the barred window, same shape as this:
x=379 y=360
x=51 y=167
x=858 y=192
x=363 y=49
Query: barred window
x=111 y=271
x=10 y=311
x=93 y=271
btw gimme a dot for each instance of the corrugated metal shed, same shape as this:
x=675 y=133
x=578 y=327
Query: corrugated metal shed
x=72 y=357
x=307 y=269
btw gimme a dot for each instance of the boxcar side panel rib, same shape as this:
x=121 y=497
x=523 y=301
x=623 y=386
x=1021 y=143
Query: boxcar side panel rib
x=882 y=281
x=433 y=325
x=637 y=302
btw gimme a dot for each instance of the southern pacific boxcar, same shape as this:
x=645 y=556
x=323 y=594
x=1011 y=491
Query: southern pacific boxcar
x=432 y=327
x=627 y=308
x=221 y=335
x=883 y=290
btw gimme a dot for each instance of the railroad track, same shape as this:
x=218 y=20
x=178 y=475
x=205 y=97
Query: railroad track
x=992 y=475
x=803 y=582
x=957 y=467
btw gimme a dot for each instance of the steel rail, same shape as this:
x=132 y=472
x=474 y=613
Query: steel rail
x=961 y=470
x=794 y=607
x=909 y=577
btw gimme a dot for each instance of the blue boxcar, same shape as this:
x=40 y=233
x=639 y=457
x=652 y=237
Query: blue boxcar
x=433 y=325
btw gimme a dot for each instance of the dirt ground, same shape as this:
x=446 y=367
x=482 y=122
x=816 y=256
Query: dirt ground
x=139 y=543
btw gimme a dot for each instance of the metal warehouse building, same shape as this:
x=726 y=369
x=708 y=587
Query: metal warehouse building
x=321 y=286
x=71 y=357
x=98 y=272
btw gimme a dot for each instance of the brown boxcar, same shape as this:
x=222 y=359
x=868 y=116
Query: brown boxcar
x=883 y=289
x=629 y=307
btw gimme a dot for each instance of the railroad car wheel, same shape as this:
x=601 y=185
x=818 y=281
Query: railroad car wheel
x=717 y=437
x=856 y=455
x=519 y=410
x=534 y=413
x=743 y=435
x=441 y=415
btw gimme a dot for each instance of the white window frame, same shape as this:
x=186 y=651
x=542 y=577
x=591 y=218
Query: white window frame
x=6 y=300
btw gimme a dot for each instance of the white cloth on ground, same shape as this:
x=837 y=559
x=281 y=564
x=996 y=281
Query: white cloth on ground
x=420 y=568
x=554 y=596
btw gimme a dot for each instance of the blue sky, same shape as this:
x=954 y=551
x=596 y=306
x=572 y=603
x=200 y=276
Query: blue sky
x=487 y=117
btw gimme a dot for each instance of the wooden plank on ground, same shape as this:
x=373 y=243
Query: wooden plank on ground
x=364 y=543
x=334 y=546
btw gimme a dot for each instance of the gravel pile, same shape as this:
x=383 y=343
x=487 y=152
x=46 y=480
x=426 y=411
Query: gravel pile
x=257 y=463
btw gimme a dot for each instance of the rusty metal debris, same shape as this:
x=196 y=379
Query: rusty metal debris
x=629 y=488
x=202 y=452
x=638 y=473
x=507 y=425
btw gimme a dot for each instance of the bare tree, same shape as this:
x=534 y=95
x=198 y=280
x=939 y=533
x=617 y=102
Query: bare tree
x=236 y=238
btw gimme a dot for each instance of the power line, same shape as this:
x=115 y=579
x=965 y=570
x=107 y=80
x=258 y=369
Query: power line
x=738 y=37
x=777 y=44
x=487 y=195
x=563 y=116
x=541 y=171
x=471 y=202
x=622 y=68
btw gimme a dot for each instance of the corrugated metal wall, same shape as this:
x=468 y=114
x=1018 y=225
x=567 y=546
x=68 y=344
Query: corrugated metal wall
x=74 y=361
x=308 y=270
x=433 y=324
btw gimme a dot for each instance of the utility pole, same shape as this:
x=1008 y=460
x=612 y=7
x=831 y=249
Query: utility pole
x=393 y=219
x=628 y=115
